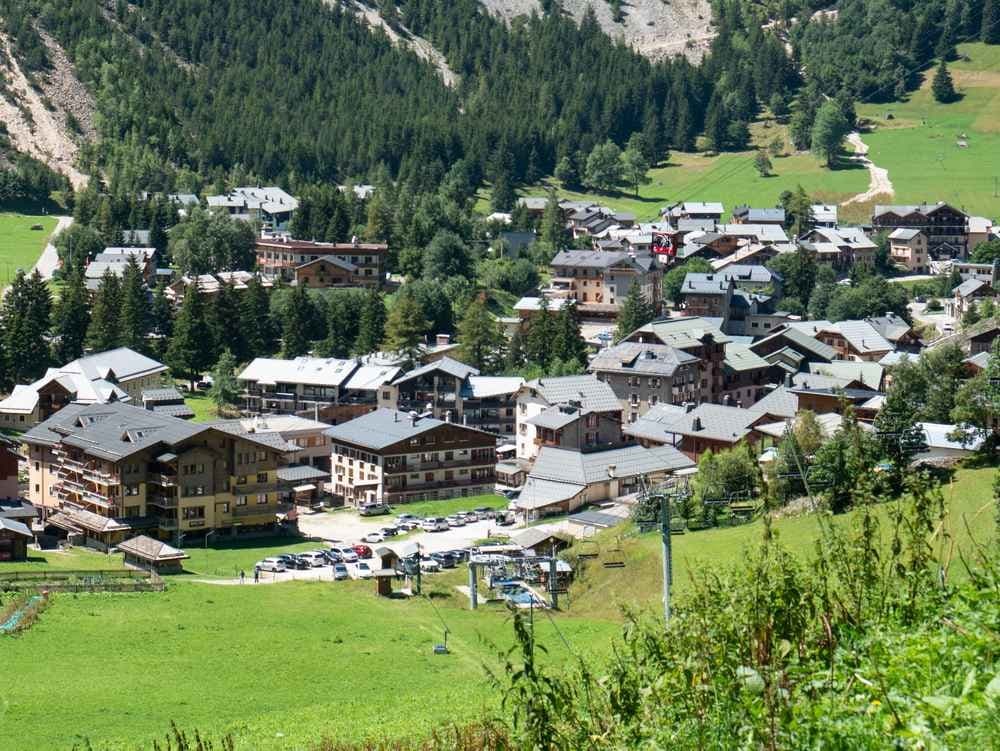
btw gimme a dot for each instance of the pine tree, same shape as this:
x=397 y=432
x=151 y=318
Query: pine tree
x=635 y=165
x=161 y=320
x=226 y=321
x=990 y=29
x=72 y=318
x=225 y=390
x=104 y=332
x=296 y=324
x=405 y=327
x=481 y=338
x=256 y=321
x=371 y=323
x=635 y=312
x=134 y=312
x=762 y=162
x=189 y=353
x=541 y=329
x=942 y=86
x=553 y=229
x=515 y=357
x=568 y=344
x=26 y=319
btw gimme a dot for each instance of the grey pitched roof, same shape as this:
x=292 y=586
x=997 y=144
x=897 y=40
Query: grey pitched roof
x=558 y=417
x=593 y=395
x=890 y=326
x=125 y=363
x=969 y=287
x=334 y=260
x=760 y=215
x=903 y=233
x=384 y=427
x=781 y=403
x=538 y=492
x=715 y=422
x=636 y=357
x=800 y=341
x=591 y=259
x=446 y=365
x=650 y=426
x=315 y=371
x=567 y=466
x=682 y=332
x=740 y=357
x=302 y=473
x=913 y=208
x=705 y=284
x=484 y=387
x=174 y=410
x=151 y=550
x=16 y=527
x=868 y=373
x=161 y=395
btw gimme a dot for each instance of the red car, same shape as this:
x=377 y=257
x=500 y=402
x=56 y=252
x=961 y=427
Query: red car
x=363 y=551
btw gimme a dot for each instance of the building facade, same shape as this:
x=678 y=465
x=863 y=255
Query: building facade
x=280 y=256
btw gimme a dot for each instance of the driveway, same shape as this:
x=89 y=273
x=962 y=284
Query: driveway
x=48 y=261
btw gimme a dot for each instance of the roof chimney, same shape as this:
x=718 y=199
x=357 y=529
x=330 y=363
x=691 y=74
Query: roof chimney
x=788 y=380
x=696 y=424
x=447 y=416
x=414 y=417
x=688 y=407
x=443 y=339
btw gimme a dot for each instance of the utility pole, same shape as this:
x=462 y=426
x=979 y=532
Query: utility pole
x=668 y=568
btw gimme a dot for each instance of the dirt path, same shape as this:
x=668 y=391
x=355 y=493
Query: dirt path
x=44 y=138
x=48 y=261
x=879 y=183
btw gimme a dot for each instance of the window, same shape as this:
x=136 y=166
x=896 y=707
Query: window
x=241 y=480
x=241 y=500
x=131 y=490
x=262 y=477
x=194 y=512
x=223 y=508
x=261 y=499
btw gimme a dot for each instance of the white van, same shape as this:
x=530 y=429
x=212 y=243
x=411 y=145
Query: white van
x=434 y=524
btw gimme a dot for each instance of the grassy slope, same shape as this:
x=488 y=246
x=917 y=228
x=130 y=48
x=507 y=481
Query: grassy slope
x=918 y=146
x=451 y=505
x=20 y=245
x=602 y=592
x=730 y=178
x=279 y=666
x=203 y=408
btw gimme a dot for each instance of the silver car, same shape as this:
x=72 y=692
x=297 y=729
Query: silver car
x=270 y=564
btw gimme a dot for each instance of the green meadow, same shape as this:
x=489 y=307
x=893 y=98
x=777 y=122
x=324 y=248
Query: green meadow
x=20 y=245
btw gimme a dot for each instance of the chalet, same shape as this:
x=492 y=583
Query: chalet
x=574 y=412
x=451 y=390
x=824 y=214
x=280 y=257
x=840 y=247
x=166 y=401
x=326 y=272
x=744 y=375
x=397 y=457
x=644 y=375
x=908 y=249
x=695 y=210
x=711 y=427
x=599 y=282
x=105 y=471
x=852 y=340
x=118 y=375
x=14 y=539
x=700 y=337
x=754 y=255
x=271 y=206
x=980 y=230
x=707 y=295
x=944 y=226
x=983 y=272
x=973 y=339
x=748 y=215
x=149 y=554
x=896 y=331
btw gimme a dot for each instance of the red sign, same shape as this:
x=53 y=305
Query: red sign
x=663 y=244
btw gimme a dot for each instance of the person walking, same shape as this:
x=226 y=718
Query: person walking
x=243 y=576
x=256 y=574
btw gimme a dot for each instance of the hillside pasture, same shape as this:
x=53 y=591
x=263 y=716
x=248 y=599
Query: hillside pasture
x=20 y=245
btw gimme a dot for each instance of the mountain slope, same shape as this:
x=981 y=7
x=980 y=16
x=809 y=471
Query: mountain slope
x=656 y=28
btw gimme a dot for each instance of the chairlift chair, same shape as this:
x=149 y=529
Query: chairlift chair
x=588 y=549
x=615 y=557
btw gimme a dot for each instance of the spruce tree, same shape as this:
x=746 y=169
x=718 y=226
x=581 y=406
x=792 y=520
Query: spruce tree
x=541 y=330
x=189 y=353
x=161 y=320
x=296 y=323
x=371 y=323
x=134 y=315
x=405 y=327
x=568 y=344
x=481 y=338
x=26 y=321
x=634 y=313
x=990 y=29
x=256 y=321
x=942 y=86
x=225 y=390
x=72 y=318
x=226 y=322
x=553 y=229
x=104 y=331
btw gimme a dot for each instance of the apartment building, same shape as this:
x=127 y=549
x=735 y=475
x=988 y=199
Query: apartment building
x=577 y=412
x=324 y=388
x=908 y=248
x=707 y=295
x=395 y=457
x=280 y=256
x=600 y=281
x=451 y=390
x=118 y=375
x=644 y=375
x=946 y=227
x=271 y=206
x=102 y=472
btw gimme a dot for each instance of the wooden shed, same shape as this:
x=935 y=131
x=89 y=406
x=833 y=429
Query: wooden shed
x=152 y=555
x=14 y=539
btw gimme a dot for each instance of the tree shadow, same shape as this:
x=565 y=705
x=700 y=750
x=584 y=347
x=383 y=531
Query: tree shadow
x=843 y=162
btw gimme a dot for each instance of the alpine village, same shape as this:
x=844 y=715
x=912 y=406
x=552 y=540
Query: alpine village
x=499 y=375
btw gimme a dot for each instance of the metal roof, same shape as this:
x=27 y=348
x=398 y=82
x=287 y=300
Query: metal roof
x=596 y=519
x=445 y=365
x=484 y=387
x=311 y=371
x=593 y=395
x=384 y=427
x=371 y=377
x=302 y=472
x=715 y=422
x=124 y=363
x=650 y=425
x=16 y=527
x=683 y=332
x=565 y=465
x=637 y=357
x=740 y=357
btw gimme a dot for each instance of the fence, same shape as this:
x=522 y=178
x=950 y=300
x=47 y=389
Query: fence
x=81 y=581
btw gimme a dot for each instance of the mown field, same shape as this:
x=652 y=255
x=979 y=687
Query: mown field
x=20 y=245
x=919 y=145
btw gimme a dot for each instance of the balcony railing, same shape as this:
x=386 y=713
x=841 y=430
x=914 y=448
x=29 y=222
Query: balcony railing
x=416 y=486
x=253 y=509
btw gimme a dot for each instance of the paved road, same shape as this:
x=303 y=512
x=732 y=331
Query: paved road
x=48 y=262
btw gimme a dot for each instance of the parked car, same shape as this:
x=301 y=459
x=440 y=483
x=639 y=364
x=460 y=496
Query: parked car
x=333 y=556
x=363 y=551
x=362 y=570
x=460 y=554
x=429 y=565
x=485 y=513
x=374 y=509
x=447 y=560
x=390 y=531
x=374 y=537
x=505 y=518
x=315 y=558
x=407 y=518
x=408 y=526
x=470 y=517
x=270 y=564
x=340 y=572
x=294 y=561
x=408 y=565
x=435 y=524
x=456 y=520
x=348 y=555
